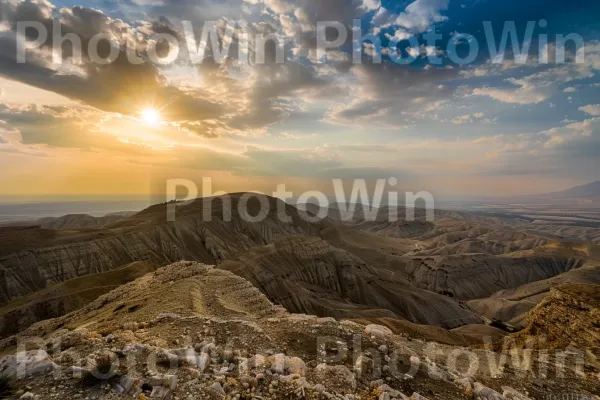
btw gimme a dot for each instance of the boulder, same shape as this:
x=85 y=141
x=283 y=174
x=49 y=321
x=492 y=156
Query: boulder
x=295 y=365
x=512 y=394
x=485 y=393
x=379 y=331
x=336 y=378
x=27 y=363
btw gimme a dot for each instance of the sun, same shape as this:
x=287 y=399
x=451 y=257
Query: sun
x=150 y=116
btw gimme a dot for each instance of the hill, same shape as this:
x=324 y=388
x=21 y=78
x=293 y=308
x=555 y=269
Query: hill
x=587 y=190
x=569 y=316
x=212 y=335
x=462 y=269
x=80 y=221
x=65 y=297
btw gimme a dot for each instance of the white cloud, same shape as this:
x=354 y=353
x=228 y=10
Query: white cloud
x=471 y=118
x=416 y=18
x=371 y=4
x=573 y=131
x=538 y=87
x=522 y=95
x=413 y=52
x=592 y=109
x=399 y=35
x=279 y=6
x=528 y=150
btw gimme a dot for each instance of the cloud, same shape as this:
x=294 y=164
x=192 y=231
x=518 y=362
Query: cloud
x=294 y=136
x=216 y=112
x=363 y=148
x=84 y=129
x=522 y=95
x=254 y=161
x=541 y=85
x=22 y=150
x=472 y=118
x=391 y=94
x=278 y=6
x=534 y=88
x=417 y=17
x=121 y=86
x=10 y=138
x=55 y=126
x=126 y=88
x=557 y=152
x=308 y=163
x=551 y=141
x=592 y=109
x=297 y=22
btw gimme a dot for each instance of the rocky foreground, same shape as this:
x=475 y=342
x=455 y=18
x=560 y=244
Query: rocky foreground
x=191 y=331
x=570 y=315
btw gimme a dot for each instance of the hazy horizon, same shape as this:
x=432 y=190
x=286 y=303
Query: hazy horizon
x=161 y=197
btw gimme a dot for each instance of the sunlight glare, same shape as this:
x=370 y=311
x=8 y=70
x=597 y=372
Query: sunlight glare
x=150 y=116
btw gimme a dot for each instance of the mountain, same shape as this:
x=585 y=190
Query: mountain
x=70 y=221
x=309 y=275
x=583 y=191
x=79 y=221
x=243 y=306
x=449 y=273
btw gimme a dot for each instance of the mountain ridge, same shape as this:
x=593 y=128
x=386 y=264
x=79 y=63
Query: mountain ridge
x=591 y=189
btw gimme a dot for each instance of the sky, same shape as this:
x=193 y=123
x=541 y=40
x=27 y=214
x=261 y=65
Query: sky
x=498 y=124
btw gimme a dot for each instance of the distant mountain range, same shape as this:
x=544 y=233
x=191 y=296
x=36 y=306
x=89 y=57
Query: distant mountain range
x=588 y=190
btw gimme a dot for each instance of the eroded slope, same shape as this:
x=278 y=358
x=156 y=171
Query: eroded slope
x=194 y=330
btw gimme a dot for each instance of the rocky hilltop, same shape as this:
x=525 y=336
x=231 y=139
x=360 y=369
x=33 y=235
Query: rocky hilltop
x=35 y=258
x=569 y=316
x=191 y=331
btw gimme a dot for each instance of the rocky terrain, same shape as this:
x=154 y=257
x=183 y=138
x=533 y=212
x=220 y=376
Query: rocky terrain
x=212 y=335
x=459 y=271
x=285 y=308
x=34 y=258
x=308 y=275
x=512 y=305
x=568 y=317
x=65 y=297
